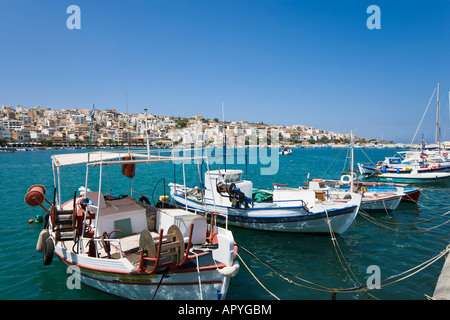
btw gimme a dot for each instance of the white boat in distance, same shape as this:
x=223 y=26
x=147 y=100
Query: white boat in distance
x=285 y=151
x=230 y=198
x=128 y=248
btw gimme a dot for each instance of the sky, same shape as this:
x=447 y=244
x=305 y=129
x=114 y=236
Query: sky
x=281 y=62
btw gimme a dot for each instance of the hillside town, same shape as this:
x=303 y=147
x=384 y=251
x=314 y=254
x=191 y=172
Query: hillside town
x=74 y=127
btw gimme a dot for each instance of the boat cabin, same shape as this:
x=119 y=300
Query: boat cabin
x=221 y=185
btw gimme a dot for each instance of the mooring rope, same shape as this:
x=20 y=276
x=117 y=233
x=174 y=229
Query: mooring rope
x=433 y=200
x=382 y=223
x=255 y=276
x=345 y=265
x=357 y=289
x=198 y=276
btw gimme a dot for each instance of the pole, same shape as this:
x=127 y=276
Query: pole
x=89 y=153
x=146 y=134
x=224 y=140
x=439 y=119
x=351 y=162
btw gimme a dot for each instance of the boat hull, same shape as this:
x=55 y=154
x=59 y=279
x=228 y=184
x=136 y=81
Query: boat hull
x=281 y=219
x=412 y=196
x=415 y=179
x=384 y=203
x=117 y=279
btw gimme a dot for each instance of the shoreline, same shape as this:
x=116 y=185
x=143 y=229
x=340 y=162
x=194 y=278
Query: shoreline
x=310 y=146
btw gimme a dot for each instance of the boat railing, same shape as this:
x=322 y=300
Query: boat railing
x=179 y=191
x=96 y=240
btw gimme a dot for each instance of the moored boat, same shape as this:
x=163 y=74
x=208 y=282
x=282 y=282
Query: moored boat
x=372 y=200
x=128 y=248
x=283 y=210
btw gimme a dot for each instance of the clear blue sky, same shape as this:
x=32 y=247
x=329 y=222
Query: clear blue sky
x=277 y=61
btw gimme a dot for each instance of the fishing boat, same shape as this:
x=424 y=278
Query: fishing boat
x=385 y=200
x=234 y=201
x=410 y=194
x=398 y=164
x=126 y=247
x=414 y=177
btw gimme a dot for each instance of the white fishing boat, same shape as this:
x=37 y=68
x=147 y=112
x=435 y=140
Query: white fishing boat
x=233 y=201
x=414 y=177
x=410 y=194
x=408 y=163
x=385 y=200
x=124 y=246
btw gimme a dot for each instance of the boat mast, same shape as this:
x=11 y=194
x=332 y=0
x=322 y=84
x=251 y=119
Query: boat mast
x=146 y=135
x=224 y=140
x=351 y=161
x=438 y=120
x=423 y=159
x=89 y=153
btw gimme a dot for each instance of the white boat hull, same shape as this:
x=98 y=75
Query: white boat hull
x=382 y=203
x=428 y=177
x=117 y=277
x=282 y=219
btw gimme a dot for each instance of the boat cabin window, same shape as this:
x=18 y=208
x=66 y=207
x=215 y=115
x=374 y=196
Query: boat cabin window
x=232 y=177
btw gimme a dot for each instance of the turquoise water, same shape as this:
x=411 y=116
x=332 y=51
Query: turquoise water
x=311 y=257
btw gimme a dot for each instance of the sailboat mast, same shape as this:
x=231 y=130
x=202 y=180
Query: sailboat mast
x=224 y=140
x=438 y=114
x=146 y=135
x=439 y=111
x=351 y=160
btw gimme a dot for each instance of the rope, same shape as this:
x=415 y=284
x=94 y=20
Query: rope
x=434 y=200
x=256 y=277
x=334 y=160
x=419 y=267
x=358 y=288
x=339 y=253
x=382 y=223
x=273 y=268
x=198 y=275
x=334 y=291
x=367 y=156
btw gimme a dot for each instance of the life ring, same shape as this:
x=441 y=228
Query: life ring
x=423 y=155
x=128 y=169
x=345 y=179
x=445 y=154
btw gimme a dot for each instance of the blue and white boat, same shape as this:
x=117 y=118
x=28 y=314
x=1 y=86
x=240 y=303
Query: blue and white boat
x=232 y=200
